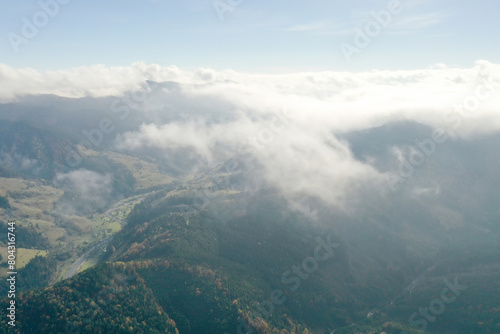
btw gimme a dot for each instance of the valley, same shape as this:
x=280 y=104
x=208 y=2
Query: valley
x=133 y=235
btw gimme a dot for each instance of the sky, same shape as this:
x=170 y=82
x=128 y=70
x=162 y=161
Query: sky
x=252 y=36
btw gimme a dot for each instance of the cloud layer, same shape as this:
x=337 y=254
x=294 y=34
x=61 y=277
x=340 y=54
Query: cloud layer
x=85 y=191
x=342 y=100
x=287 y=124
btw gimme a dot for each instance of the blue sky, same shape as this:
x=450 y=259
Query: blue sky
x=256 y=35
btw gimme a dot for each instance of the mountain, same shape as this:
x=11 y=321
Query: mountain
x=158 y=242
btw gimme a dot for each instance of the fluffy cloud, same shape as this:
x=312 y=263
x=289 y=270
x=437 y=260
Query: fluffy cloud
x=94 y=81
x=85 y=190
x=287 y=123
x=344 y=100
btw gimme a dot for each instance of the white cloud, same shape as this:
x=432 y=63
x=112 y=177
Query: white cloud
x=94 y=81
x=287 y=122
x=91 y=188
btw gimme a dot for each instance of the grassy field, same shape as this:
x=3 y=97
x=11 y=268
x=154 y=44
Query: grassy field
x=23 y=256
x=33 y=203
x=146 y=174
